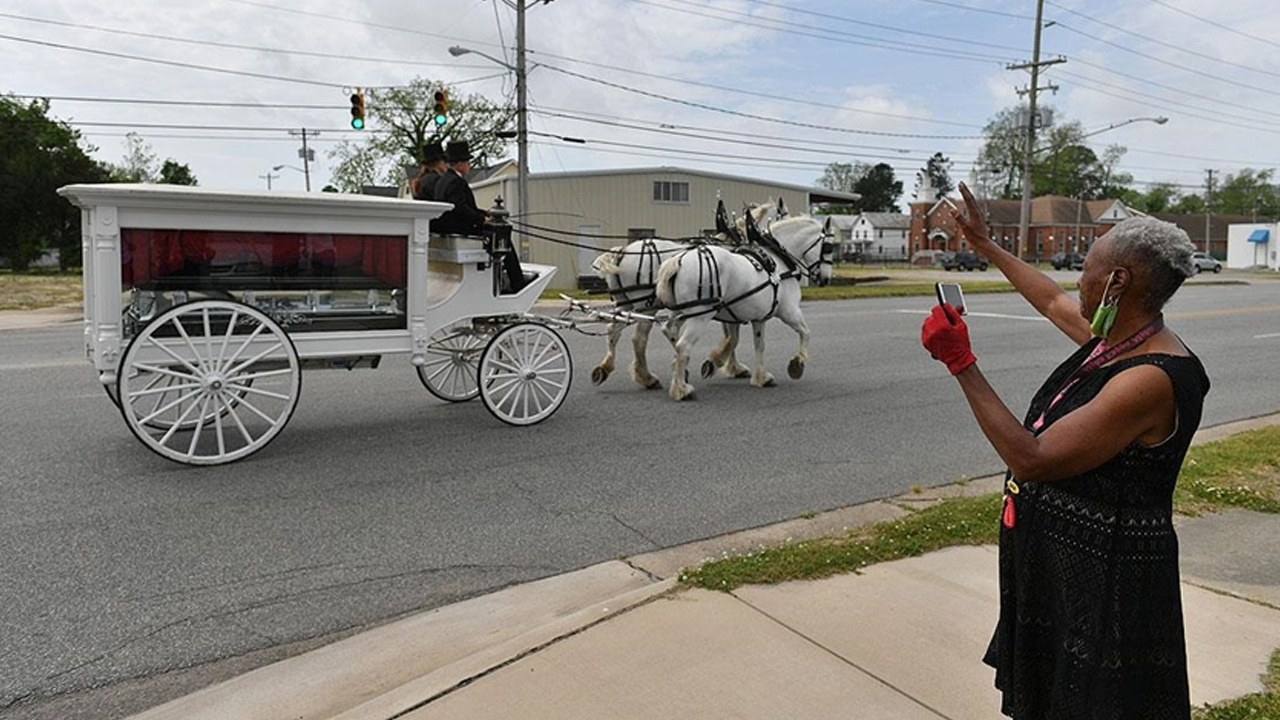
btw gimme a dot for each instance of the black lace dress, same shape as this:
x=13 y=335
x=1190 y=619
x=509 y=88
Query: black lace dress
x=1090 y=605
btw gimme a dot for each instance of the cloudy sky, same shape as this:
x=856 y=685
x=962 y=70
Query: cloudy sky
x=774 y=88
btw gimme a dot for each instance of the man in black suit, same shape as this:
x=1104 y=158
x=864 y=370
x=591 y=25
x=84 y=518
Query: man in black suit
x=466 y=218
x=424 y=185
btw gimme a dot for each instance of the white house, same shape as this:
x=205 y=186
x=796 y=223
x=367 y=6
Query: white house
x=877 y=233
x=1253 y=245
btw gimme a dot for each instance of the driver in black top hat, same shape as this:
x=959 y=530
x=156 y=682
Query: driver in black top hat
x=466 y=218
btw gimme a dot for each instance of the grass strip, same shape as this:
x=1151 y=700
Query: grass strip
x=36 y=290
x=1241 y=471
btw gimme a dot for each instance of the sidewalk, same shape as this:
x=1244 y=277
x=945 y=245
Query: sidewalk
x=902 y=640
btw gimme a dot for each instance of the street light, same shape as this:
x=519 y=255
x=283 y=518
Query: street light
x=278 y=168
x=522 y=126
x=1024 y=221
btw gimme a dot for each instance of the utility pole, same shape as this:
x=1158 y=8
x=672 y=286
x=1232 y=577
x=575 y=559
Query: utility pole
x=522 y=129
x=269 y=177
x=1208 y=212
x=306 y=153
x=1033 y=120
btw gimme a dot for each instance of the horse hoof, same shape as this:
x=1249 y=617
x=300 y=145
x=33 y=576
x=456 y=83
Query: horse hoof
x=653 y=384
x=742 y=373
x=795 y=369
x=769 y=383
x=708 y=369
x=599 y=375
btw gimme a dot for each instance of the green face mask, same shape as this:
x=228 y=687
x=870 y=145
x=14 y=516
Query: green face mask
x=1105 y=316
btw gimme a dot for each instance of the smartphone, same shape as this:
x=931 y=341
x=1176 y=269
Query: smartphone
x=951 y=294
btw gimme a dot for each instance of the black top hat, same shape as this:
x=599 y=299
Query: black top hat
x=432 y=151
x=457 y=151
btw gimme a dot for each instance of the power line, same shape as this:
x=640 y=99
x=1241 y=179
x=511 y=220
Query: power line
x=1168 y=63
x=345 y=57
x=750 y=93
x=822 y=34
x=1157 y=41
x=1219 y=25
x=172 y=63
x=752 y=116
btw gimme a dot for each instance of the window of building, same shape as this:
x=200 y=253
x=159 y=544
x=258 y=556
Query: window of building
x=641 y=233
x=670 y=191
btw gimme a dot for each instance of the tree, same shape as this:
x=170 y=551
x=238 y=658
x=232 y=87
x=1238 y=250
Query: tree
x=403 y=117
x=999 y=162
x=1159 y=198
x=1248 y=192
x=937 y=173
x=38 y=155
x=841 y=176
x=139 y=164
x=879 y=190
x=171 y=173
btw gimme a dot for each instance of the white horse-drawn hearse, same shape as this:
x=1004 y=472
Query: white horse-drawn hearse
x=202 y=307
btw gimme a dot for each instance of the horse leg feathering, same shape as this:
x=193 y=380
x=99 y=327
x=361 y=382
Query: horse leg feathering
x=760 y=377
x=640 y=364
x=606 y=366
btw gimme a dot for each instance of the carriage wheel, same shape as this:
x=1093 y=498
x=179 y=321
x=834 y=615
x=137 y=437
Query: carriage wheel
x=453 y=361
x=209 y=382
x=525 y=373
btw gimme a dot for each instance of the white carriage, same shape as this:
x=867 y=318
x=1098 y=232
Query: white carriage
x=202 y=308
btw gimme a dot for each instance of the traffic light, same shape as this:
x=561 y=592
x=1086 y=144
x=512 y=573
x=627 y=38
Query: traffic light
x=357 y=109
x=440 y=113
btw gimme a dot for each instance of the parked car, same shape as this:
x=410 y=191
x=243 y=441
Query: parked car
x=963 y=260
x=1067 y=261
x=1205 y=261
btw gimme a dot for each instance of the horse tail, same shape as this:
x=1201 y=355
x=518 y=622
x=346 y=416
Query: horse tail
x=607 y=263
x=665 y=284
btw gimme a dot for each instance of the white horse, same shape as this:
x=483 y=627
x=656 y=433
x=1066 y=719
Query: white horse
x=630 y=273
x=709 y=283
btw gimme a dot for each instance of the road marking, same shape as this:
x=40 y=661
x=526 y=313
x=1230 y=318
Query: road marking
x=1220 y=313
x=44 y=364
x=1264 y=337
x=1001 y=316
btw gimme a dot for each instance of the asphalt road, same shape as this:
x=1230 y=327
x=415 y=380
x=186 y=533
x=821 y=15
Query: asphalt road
x=378 y=500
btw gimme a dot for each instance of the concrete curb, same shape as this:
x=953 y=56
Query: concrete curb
x=392 y=669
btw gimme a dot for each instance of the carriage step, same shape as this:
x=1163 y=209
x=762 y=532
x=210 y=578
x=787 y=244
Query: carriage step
x=349 y=362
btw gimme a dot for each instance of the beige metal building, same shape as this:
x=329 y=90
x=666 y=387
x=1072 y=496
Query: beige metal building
x=598 y=209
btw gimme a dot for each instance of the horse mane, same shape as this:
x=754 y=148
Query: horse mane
x=607 y=264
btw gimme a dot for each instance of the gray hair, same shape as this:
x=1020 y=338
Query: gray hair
x=1162 y=248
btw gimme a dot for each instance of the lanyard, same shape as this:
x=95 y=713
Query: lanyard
x=1101 y=355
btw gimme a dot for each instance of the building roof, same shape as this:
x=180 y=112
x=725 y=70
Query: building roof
x=1193 y=224
x=816 y=194
x=899 y=221
x=1045 y=210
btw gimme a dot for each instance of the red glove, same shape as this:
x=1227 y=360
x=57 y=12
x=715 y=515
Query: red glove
x=946 y=337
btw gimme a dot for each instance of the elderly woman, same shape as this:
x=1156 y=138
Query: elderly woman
x=1090 y=607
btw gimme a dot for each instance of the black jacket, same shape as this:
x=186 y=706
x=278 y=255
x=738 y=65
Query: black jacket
x=425 y=186
x=465 y=218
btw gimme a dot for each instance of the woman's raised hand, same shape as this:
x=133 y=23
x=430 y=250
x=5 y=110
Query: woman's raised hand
x=970 y=220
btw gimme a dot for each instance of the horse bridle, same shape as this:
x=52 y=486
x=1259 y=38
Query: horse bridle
x=825 y=255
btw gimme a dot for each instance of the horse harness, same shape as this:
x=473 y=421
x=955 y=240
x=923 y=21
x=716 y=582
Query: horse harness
x=645 y=277
x=710 y=291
